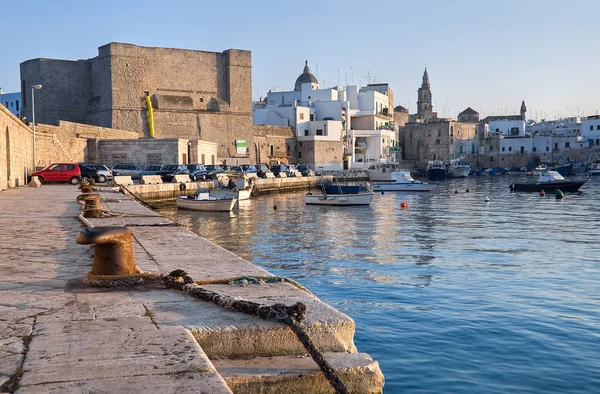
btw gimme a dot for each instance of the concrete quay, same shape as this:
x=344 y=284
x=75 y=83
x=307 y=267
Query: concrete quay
x=58 y=335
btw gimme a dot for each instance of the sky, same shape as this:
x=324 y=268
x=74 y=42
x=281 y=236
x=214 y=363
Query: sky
x=485 y=54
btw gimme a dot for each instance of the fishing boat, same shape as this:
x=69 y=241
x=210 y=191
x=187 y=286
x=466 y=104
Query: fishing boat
x=202 y=201
x=340 y=195
x=384 y=172
x=548 y=181
x=594 y=169
x=458 y=168
x=406 y=183
x=239 y=187
x=436 y=170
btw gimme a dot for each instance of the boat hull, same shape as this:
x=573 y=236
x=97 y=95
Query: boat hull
x=339 y=199
x=436 y=173
x=404 y=187
x=220 y=205
x=566 y=186
x=375 y=176
x=458 y=172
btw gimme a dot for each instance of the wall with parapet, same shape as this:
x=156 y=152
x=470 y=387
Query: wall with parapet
x=16 y=150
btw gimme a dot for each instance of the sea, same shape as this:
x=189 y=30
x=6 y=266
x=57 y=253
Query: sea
x=450 y=294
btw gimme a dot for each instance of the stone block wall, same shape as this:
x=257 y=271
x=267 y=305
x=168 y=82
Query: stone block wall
x=16 y=150
x=143 y=151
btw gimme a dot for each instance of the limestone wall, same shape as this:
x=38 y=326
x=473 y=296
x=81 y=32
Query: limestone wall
x=16 y=150
x=143 y=151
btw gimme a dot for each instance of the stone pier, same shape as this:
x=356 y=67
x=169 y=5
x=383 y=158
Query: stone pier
x=56 y=334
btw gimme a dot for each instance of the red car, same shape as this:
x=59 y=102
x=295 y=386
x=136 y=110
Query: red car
x=59 y=172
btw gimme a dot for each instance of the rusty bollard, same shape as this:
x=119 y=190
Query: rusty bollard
x=92 y=207
x=86 y=188
x=113 y=250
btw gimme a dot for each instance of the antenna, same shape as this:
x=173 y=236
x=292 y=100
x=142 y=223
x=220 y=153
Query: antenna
x=346 y=78
x=352 y=71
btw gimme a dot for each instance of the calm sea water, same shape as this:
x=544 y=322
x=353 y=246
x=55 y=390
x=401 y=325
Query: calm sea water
x=451 y=295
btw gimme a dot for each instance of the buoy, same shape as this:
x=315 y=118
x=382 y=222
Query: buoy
x=487 y=199
x=456 y=191
x=466 y=191
x=404 y=205
x=542 y=193
x=382 y=192
x=559 y=194
x=275 y=207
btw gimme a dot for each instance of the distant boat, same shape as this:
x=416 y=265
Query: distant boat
x=548 y=181
x=384 y=172
x=405 y=184
x=202 y=201
x=340 y=195
x=458 y=168
x=594 y=169
x=436 y=170
x=225 y=192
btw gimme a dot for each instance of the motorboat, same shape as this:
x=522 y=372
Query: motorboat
x=436 y=170
x=202 y=201
x=239 y=187
x=384 y=172
x=594 y=169
x=548 y=181
x=406 y=183
x=340 y=195
x=458 y=168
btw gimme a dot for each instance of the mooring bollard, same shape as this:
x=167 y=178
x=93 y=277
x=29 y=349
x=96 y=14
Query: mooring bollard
x=113 y=250
x=92 y=207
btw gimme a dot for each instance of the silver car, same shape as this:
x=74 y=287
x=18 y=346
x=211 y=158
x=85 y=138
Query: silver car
x=131 y=170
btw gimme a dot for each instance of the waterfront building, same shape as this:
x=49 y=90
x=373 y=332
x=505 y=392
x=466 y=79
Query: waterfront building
x=329 y=122
x=590 y=130
x=194 y=95
x=12 y=102
x=559 y=126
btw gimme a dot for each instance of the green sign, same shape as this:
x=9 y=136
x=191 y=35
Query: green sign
x=240 y=147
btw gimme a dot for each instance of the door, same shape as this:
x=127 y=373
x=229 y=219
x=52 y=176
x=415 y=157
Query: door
x=53 y=174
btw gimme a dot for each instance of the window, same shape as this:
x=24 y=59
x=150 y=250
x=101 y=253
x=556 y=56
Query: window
x=55 y=167
x=305 y=133
x=69 y=167
x=23 y=90
x=17 y=104
x=491 y=148
x=319 y=132
x=567 y=144
x=534 y=149
x=522 y=149
x=312 y=117
x=301 y=115
x=439 y=133
x=271 y=150
x=201 y=99
x=510 y=148
x=556 y=145
x=502 y=149
x=299 y=155
x=597 y=127
x=491 y=158
x=428 y=133
x=300 y=144
x=591 y=127
x=547 y=149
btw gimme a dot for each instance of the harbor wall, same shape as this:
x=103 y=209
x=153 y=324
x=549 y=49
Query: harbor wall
x=275 y=185
x=16 y=150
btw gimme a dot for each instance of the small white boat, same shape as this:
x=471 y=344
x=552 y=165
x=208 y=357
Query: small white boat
x=384 y=172
x=458 y=168
x=202 y=201
x=405 y=184
x=340 y=196
x=239 y=187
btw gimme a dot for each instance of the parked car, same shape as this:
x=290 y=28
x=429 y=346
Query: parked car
x=150 y=170
x=262 y=170
x=292 y=171
x=168 y=172
x=131 y=170
x=104 y=173
x=59 y=172
x=197 y=171
x=305 y=170
x=250 y=170
x=88 y=172
x=276 y=169
x=212 y=170
x=236 y=170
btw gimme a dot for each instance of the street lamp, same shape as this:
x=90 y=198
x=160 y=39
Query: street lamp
x=33 y=89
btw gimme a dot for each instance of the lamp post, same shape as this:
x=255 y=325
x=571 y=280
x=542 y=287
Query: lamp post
x=33 y=89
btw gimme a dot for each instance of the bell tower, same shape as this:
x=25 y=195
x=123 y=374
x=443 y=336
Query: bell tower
x=424 y=101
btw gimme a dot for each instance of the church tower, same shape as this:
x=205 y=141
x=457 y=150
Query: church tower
x=424 y=101
x=523 y=110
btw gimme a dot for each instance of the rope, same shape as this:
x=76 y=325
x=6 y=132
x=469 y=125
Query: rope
x=292 y=315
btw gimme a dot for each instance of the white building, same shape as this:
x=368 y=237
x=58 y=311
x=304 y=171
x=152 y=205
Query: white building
x=328 y=121
x=12 y=102
x=590 y=130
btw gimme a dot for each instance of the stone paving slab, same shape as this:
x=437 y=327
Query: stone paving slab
x=260 y=375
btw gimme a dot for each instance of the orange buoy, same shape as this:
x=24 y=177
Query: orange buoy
x=542 y=193
x=404 y=205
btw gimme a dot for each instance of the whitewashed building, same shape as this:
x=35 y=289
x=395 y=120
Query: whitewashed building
x=12 y=102
x=590 y=130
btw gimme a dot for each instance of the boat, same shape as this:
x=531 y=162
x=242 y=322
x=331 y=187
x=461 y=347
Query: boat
x=340 y=196
x=458 y=168
x=202 y=201
x=548 y=181
x=436 y=169
x=384 y=172
x=405 y=184
x=594 y=169
x=236 y=186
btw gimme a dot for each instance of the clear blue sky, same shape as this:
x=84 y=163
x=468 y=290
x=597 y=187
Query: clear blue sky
x=485 y=54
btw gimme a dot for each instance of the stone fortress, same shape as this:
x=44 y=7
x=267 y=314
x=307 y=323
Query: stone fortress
x=195 y=96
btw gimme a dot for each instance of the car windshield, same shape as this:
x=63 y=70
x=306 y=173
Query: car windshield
x=169 y=167
x=236 y=168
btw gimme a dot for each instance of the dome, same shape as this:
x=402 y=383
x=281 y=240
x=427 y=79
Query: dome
x=400 y=109
x=305 y=77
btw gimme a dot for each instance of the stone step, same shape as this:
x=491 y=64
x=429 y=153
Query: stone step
x=290 y=375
